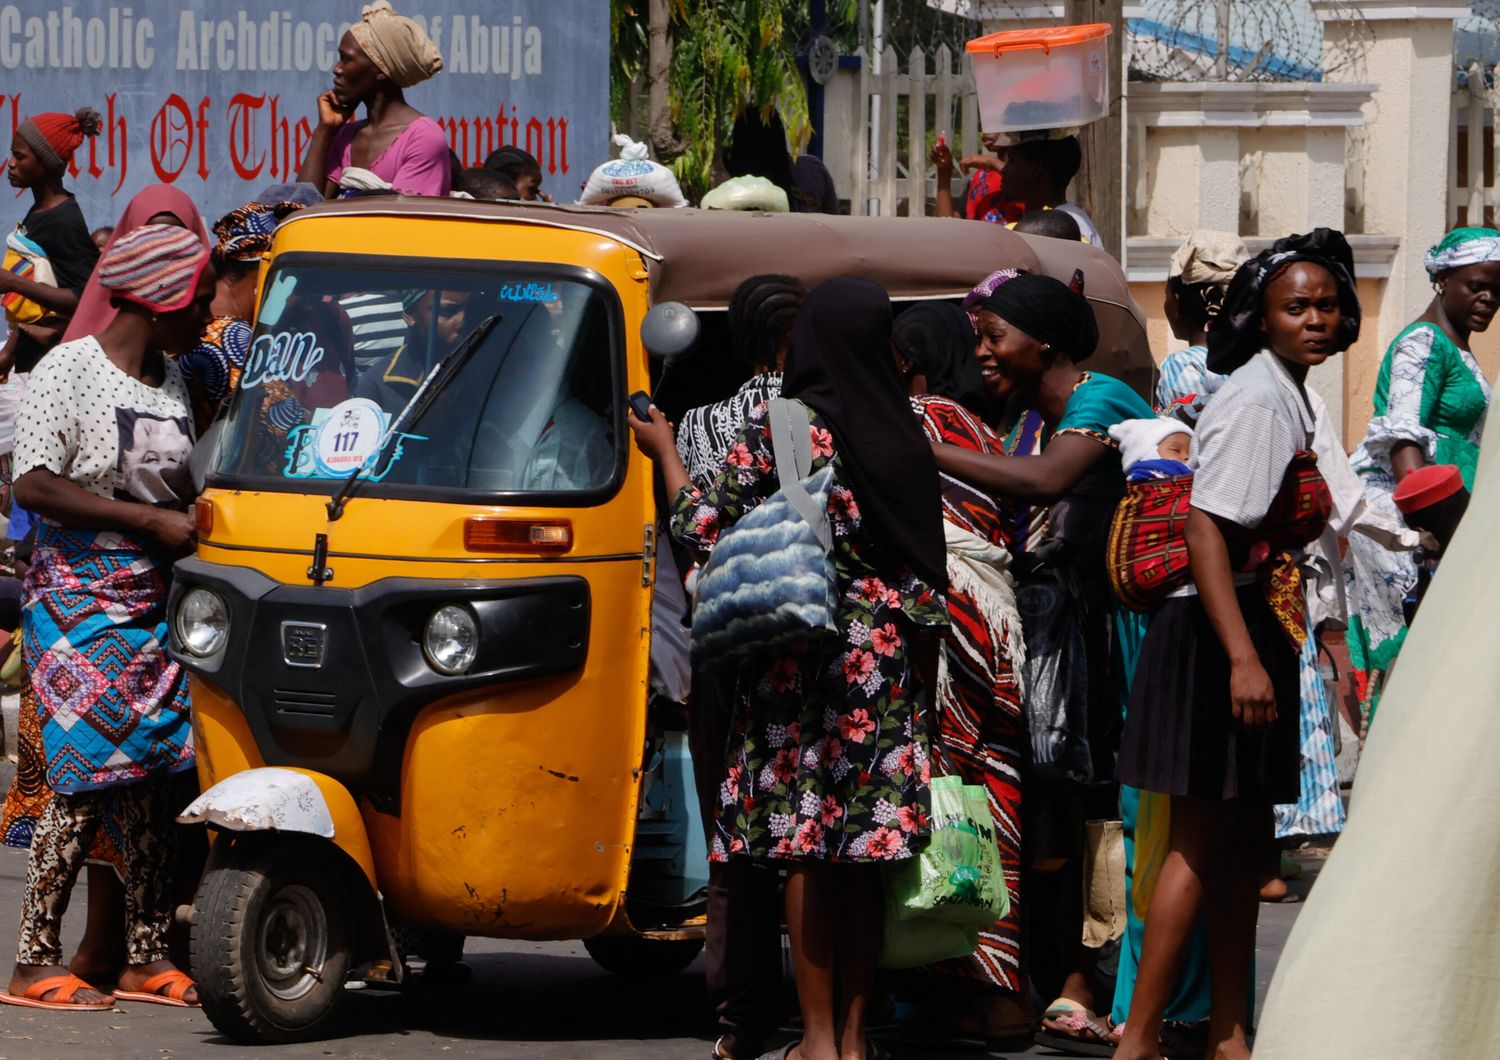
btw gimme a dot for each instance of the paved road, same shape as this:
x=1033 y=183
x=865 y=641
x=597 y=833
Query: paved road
x=546 y=1001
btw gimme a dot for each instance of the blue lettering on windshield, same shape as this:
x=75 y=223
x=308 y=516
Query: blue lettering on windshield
x=528 y=292
x=284 y=357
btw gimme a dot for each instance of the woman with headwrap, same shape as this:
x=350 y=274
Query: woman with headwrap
x=1033 y=331
x=1430 y=402
x=212 y=367
x=1213 y=719
x=101 y=453
x=981 y=731
x=381 y=55
x=101 y=950
x=827 y=767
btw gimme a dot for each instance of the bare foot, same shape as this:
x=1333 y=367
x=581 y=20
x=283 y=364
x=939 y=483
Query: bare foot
x=133 y=978
x=97 y=967
x=27 y=974
x=1274 y=890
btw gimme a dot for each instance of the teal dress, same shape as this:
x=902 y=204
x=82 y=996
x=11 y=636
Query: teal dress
x=1099 y=403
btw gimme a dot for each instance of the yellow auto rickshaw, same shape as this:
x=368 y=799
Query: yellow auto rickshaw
x=418 y=621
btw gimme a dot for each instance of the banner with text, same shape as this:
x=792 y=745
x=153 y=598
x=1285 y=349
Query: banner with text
x=219 y=98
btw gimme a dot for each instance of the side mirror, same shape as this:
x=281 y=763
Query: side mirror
x=670 y=331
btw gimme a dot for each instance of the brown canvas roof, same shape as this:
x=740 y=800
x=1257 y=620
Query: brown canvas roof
x=700 y=256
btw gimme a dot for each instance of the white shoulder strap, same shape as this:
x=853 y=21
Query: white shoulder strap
x=792 y=447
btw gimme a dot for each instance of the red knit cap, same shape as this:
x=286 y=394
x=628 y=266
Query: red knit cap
x=1427 y=486
x=54 y=137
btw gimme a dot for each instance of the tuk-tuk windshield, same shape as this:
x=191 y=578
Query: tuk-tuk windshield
x=341 y=347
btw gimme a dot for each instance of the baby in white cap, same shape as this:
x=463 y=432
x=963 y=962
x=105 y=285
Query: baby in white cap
x=1160 y=447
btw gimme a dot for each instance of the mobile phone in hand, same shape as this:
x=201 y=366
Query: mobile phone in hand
x=640 y=405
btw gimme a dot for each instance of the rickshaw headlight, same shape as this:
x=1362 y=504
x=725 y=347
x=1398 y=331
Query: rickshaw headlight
x=202 y=624
x=451 y=640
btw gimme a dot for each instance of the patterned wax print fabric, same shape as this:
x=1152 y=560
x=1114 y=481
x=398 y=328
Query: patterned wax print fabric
x=212 y=368
x=704 y=434
x=29 y=795
x=1026 y=437
x=113 y=706
x=984 y=200
x=1185 y=380
x=1435 y=395
x=828 y=752
x=981 y=729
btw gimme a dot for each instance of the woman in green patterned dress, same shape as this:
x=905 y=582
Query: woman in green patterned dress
x=1430 y=402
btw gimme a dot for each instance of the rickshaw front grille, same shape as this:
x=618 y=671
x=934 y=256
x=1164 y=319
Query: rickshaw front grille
x=297 y=701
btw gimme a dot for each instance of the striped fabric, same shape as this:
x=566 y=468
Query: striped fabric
x=379 y=325
x=156 y=265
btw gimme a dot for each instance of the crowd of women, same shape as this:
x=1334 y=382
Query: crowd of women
x=972 y=464
x=942 y=504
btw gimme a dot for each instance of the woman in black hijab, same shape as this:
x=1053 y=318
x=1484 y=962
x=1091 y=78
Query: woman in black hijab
x=981 y=729
x=828 y=741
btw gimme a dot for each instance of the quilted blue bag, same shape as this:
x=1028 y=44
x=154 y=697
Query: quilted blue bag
x=770 y=581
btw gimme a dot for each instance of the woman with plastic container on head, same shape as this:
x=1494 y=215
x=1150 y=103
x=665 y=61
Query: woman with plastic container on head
x=382 y=55
x=105 y=436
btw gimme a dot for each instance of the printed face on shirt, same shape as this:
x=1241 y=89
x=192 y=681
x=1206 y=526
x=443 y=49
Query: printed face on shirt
x=1301 y=314
x=153 y=456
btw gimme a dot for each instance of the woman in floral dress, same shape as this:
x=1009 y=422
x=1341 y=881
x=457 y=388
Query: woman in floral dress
x=827 y=768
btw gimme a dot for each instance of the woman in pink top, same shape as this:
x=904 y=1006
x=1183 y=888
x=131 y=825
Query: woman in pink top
x=380 y=56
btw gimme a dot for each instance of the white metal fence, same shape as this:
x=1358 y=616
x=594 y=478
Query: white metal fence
x=1472 y=164
x=891 y=172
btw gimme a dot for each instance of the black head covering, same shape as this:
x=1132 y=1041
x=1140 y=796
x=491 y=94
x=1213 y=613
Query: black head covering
x=1049 y=311
x=1235 y=335
x=939 y=340
x=840 y=364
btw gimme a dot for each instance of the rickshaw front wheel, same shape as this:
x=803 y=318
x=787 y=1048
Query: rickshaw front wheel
x=635 y=955
x=271 y=939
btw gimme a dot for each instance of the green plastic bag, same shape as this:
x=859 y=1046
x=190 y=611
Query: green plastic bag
x=916 y=941
x=957 y=877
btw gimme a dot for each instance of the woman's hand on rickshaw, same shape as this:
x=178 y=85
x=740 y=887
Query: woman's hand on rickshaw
x=1251 y=695
x=654 y=438
x=175 y=530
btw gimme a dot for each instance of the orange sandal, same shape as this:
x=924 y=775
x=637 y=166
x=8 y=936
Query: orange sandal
x=177 y=984
x=67 y=987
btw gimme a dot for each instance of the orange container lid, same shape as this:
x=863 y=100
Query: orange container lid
x=1015 y=40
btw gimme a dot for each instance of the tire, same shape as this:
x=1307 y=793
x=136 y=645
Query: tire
x=264 y=910
x=634 y=955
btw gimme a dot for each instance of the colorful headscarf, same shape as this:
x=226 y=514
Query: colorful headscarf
x=982 y=290
x=396 y=44
x=1461 y=248
x=1049 y=311
x=156 y=266
x=1235 y=335
x=244 y=233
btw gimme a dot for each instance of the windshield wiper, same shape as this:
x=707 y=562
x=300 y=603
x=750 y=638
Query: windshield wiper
x=441 y=375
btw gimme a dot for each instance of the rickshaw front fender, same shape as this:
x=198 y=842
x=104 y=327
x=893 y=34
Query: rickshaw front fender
x=278 y=799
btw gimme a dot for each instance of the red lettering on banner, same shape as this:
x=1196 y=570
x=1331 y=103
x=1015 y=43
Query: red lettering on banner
x=288 y=142
x=474 y=139
x=203 y=138
x=116 y=131
x=243 y=110
x=171 y=139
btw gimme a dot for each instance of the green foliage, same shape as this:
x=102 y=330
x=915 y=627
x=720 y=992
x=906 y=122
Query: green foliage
x=727 y=55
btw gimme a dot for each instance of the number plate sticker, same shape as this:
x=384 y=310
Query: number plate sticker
x=338 y=442
x=304 y=644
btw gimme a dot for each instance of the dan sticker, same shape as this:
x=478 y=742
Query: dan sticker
x=338 y=442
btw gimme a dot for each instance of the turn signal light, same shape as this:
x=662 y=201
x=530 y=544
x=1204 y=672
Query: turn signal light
x=203 y=516
x=484 y=534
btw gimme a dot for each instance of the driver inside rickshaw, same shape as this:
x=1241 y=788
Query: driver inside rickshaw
x=436 y=321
